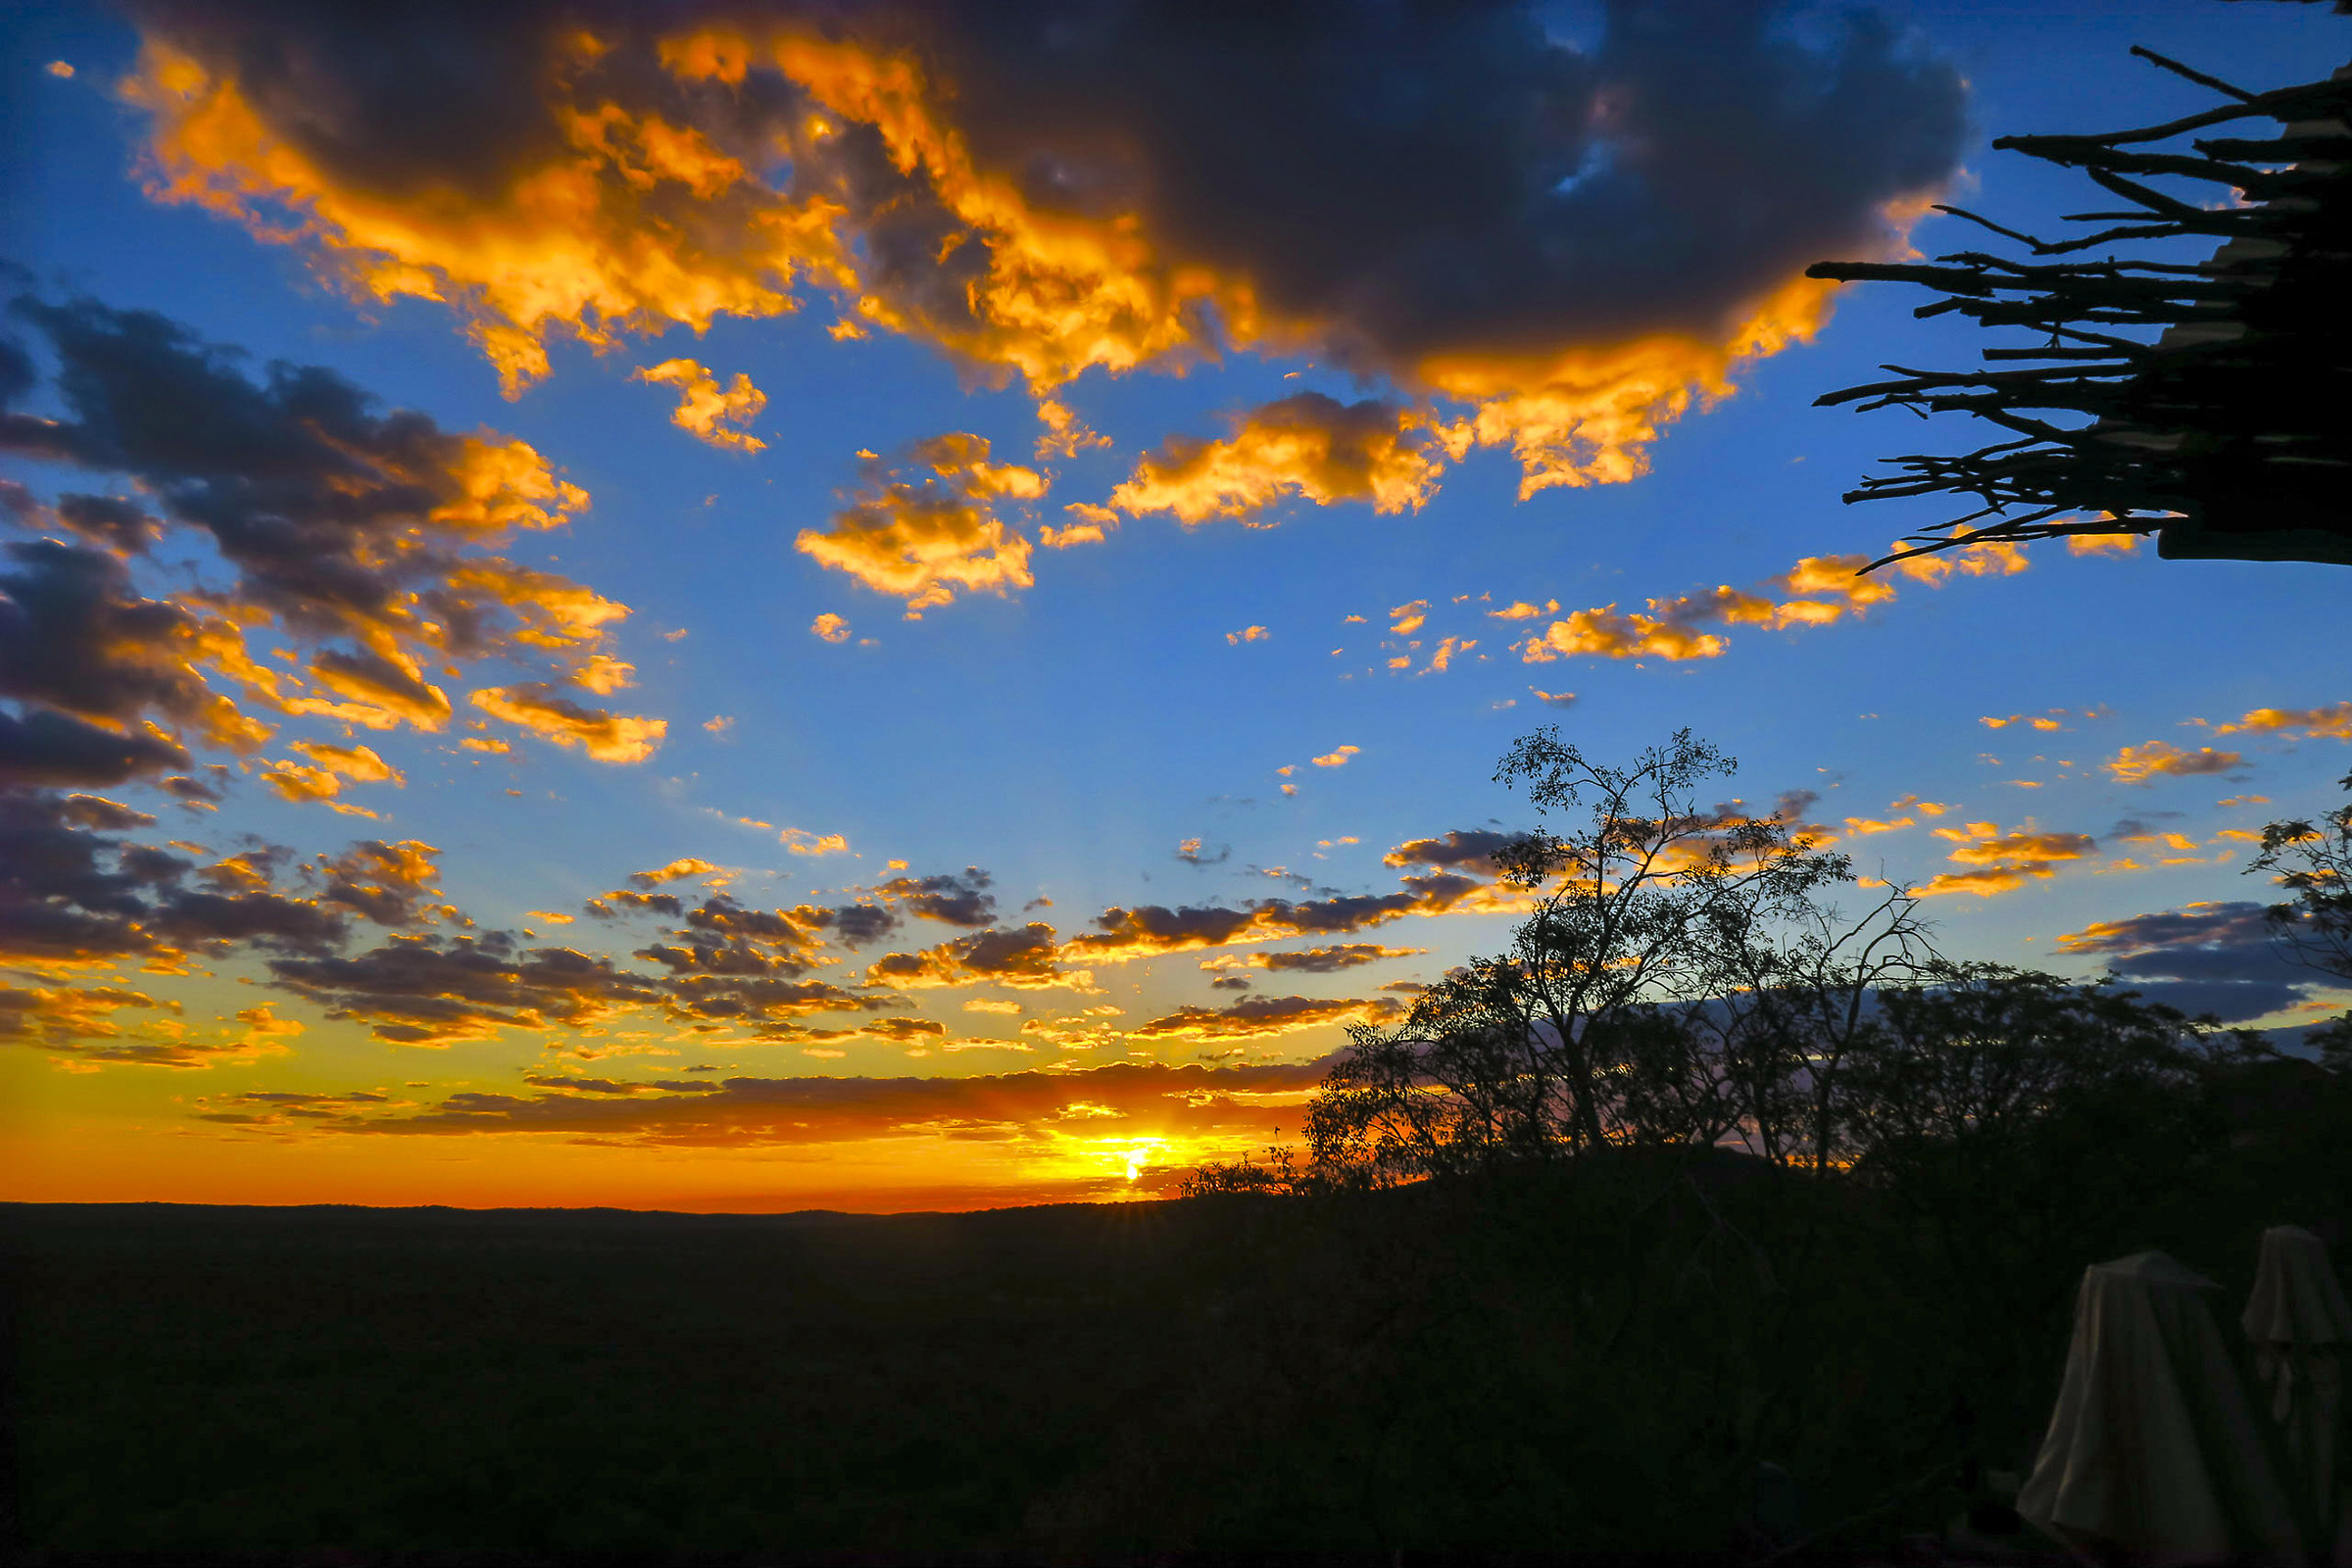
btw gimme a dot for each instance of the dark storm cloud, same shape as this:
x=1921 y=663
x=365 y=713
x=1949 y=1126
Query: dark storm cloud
x=2222 y=958
x=73 y=891
x=958 y=899
x=45 y=748
x=1463 y=848
x=1446 y=176
x=76 y=636
x=1024 y=956
x=338 y=520
x=1443 y=194
x=435 y=991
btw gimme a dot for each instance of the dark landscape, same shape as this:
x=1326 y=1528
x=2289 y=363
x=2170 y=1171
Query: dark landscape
x=1562 y=1364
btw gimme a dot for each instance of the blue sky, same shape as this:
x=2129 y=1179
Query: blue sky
x=1069 y=735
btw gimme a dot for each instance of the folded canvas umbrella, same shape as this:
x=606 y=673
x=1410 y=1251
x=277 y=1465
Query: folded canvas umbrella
x=2300 y=1326
x=2155 y=1453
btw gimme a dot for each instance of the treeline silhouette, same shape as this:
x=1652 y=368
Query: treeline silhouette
x=1705 y=1174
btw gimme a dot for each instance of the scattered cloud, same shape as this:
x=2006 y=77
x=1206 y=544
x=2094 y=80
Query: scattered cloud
x=2137 y=765
x=2218 y=958
x=364 y=539
x=1247 y=634
x=2096 y=543
x=1092 y=525
x=2330 y=721
x=1254 y=1017
x=1307 y=445
x=830 y=627
x=605 y=736
x=704 y=407
x=926 y=527
x=1191 y=854
x=1816 y=592
x=2001 y=862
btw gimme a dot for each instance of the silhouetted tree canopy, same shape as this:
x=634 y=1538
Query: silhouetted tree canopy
x=2312 y=859
x=1682 y=981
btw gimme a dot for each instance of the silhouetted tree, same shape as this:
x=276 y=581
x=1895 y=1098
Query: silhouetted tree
x=2312 y=859
x=1678 y=978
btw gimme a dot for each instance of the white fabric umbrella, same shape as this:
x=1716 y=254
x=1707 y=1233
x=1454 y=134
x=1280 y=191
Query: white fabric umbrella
x=2298 y=1320
x=2155 y=1453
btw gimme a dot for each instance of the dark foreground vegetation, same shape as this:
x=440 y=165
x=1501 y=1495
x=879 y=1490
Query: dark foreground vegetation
x=1582 y=1361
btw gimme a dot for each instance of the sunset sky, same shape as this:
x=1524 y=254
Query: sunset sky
x=780 y=606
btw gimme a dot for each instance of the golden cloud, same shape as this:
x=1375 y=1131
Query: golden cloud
x=676 y=871
x=358 y=764
x=2137 y=764
x=928 y=527
x=704 y=407
x=2096 y=544
x=1816 y=591
x=1254 y=1017
x=1338 y=758
x=1308 y=445
x=830 y=627
x=2001 y=862
x=1040 y=1109
x=619 y=185
x=1093 y=526
x=2330 y=721
x=539 y=707
x=632 y=224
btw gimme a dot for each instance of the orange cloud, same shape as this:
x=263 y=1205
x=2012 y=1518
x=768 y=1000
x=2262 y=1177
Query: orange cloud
x=2137 y=764
x=358 y=764
x=632 y=223
x=617 y=182
x=1247 y=634
x=1816 y=592
x=1092 y=525
x=2331 y=721
x=704 y=407
x=1254 y=1017
x=359 y=536
x=605 y=736
x=1446 y=652
x=676 y=870
x=929 y=527
x=1307 y=445
x=1066 y=435
x=1337 y=759
x=830 y=627
x=800 y=840
x=1026 y=959
x=1039 y=1112
x=2001 y=862
x=299 y=784
x=2094 y=544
